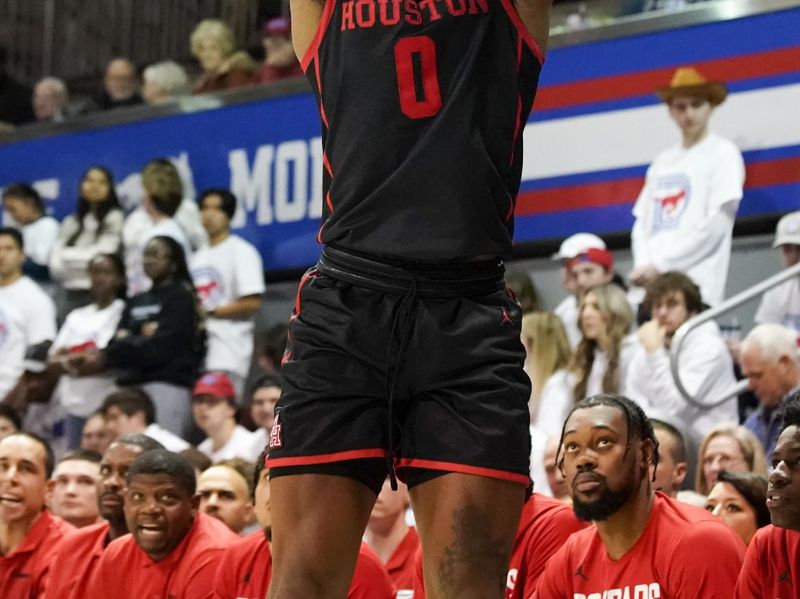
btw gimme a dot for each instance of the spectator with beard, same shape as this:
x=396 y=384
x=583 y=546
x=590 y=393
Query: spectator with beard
x=73 y=488
x=226 y=494
x=772 y=565
x=641 y=542
x=79 y=552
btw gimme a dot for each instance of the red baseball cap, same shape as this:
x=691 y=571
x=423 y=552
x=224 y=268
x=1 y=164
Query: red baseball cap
x=216 y=384
x=602 y=257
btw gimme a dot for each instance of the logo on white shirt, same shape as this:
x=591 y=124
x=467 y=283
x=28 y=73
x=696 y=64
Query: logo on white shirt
x=672 y=195
x=210 y=286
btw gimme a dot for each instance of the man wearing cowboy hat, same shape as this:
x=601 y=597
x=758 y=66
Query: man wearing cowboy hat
x=685 y=212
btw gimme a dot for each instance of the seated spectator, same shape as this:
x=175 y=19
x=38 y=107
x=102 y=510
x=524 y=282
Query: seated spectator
x=77 y=555
x=266 y=392
x=225 y=493
x=27 y=316
x=547 y=357
x=740 y=501
x=164 y=82
x=73 y=488
x=705 y=365
x=162 y=198
x=728 y=447
x=391 y=538
x=214 y=409
x=94 y=435
x=685 y=212
x=223 y=67
x=15 y=98
x=641 y=542
x=92 y=326
x=769 y=359
x=160 y=342
x=781 y=304
x=672 y=459
x=29 y=534
x=771 y=567
x=39 y=231
x=10 y=421
x=245 y=569
x=50 y=99
x=172 y=550
x=229 y=278
x=280 y=61
x=94 y=228
x=131 y=411
x=120 y=85
x=555 y=477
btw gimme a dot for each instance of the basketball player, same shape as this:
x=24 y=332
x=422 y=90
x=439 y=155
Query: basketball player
x=404 y=355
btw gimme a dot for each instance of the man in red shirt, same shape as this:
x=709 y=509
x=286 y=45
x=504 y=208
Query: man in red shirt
x=28 y=533
x=77 y=555
x=172 y=550
x=388 y=535
x=642 y=544
x=772 y=565
x=245 y=569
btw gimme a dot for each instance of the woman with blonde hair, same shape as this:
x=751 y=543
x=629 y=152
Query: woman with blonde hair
x=728 y=447
x=547 y=357
x=213 y=45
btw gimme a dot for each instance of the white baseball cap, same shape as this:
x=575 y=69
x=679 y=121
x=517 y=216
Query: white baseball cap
x=788 y=230
x=578 y=244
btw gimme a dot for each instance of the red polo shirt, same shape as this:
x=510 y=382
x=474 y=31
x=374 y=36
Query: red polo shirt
x=772 y=565
x=75 y=560
x=401 y=565
x=125 y=571
x=245 y=571
x=24 y=571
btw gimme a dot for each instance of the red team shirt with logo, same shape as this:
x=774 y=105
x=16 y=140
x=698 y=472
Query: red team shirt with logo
x=24 y=571
x=75 y=561
x=771 y=567
x=683 y=553
x=245 y=571
x=125 y=571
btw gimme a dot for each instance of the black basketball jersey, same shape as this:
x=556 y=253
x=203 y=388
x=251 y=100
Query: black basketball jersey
x=423 y=105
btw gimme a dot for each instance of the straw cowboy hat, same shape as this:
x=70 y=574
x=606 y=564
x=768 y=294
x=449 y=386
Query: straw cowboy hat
x=687 y=81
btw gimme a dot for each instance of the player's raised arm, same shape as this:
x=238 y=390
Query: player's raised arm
x=306 y=15
x=536 y=16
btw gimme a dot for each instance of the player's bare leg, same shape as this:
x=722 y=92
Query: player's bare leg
x=318 y=521
x=467 y=526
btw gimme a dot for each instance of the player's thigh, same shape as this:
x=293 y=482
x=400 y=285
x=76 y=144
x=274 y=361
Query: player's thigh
x=467 y=526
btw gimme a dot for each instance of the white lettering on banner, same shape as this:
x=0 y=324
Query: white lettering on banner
x=640 y=591
x=285 y=197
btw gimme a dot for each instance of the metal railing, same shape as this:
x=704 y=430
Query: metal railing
x=710 y=314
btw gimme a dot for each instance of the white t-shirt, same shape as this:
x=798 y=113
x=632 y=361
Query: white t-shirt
x=80 y=396
x=567 y=311
x=555 y=403
x=685 y=213
x=706 y=371
x=39 y=237
x=223 y=273
x=138 y=282
x=242 y=444
x=169 y=440
x=781 y=305
x=27 y=317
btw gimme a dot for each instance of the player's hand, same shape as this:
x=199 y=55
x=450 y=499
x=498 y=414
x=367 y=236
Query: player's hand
x=652 y=336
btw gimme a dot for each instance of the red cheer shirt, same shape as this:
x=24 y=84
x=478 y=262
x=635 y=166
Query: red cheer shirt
x=772 y=565
x=75 y=560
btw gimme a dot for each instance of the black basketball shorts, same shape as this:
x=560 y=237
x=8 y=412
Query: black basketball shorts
x=415 y=369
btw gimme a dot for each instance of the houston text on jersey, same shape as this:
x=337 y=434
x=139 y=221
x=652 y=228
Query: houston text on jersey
x=363 y=14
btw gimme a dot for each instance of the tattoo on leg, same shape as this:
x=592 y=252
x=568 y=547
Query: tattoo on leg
x=474 y=551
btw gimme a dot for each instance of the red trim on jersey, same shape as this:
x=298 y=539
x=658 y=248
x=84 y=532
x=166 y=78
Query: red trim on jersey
x=324 y=21
x=522 y=30
x=322 y=112
x=326 y=458
x=326 y=163
x=463 y=469
x=306 y=278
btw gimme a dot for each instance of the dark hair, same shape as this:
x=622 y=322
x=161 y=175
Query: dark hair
x=139 y=440
x=753 y=487
x=228 y=205
x=261 y=463
x=268 y=380
x=639 y=426
x=272 y=343
x=161 y=461
x=523 y=288
x=25 y=192
x=10 y=414
x=678 y=454
x=101 y=209
x=178 y=258
x=15 y=235
x=84 y=455
x=49 y=457
x=197 y=458
x=119 y=266
x=130 y=401
x=670 y=282
x=791 y=414
x=244 y=468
